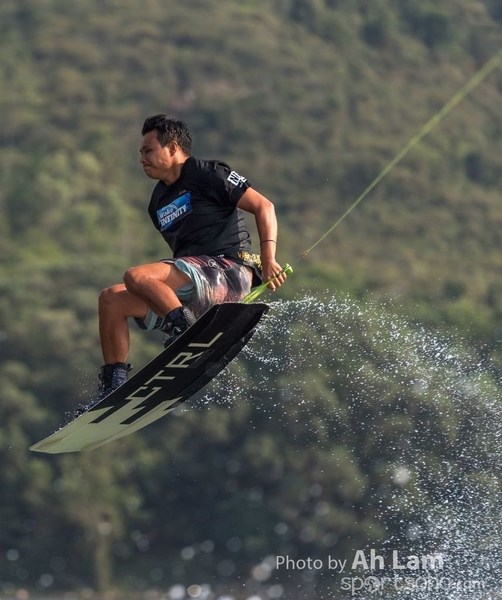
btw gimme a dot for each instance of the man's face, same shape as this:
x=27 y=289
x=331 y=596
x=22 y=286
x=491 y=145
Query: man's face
x=155 y=159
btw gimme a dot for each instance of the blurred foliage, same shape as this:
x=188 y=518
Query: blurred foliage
x=310 y=99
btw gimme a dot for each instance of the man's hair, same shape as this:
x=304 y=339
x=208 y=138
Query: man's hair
x=169 y=130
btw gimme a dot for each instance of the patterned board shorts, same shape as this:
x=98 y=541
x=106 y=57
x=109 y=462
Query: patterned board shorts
x=213 y=280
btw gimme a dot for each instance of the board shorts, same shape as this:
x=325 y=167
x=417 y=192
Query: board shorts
x=214 y=280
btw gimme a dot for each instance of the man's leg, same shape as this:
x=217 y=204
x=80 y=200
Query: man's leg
x=155 y=284
x=116 y=304
x=147 y=286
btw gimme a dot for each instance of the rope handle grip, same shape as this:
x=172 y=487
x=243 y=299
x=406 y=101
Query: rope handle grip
x=257 y=291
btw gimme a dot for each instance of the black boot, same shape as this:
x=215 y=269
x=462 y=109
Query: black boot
x=176 y=322
x=110 y=378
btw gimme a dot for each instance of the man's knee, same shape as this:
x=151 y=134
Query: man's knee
x=137 y=278
x=134 y=279
x=109 y=296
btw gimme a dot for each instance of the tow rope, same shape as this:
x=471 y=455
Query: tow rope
x=472 y=84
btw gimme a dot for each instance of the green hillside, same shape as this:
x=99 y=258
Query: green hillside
x=310 y=100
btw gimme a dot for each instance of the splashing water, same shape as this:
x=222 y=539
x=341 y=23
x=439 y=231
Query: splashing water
x=421 y=410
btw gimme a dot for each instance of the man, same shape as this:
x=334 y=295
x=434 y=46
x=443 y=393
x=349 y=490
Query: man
x=197 y=207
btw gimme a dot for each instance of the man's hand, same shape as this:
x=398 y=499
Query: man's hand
x=272 y=270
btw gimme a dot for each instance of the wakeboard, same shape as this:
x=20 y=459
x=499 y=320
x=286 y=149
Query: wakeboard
x=175 y=375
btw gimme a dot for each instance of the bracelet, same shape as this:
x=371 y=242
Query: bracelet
x=263 y=241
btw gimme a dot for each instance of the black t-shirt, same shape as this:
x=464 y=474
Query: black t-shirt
x=197 y=214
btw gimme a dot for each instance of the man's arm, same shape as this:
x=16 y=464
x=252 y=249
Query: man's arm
x=266 y=224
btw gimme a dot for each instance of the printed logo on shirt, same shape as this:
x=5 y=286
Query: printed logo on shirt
x=236 y=179
x=174 y=212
